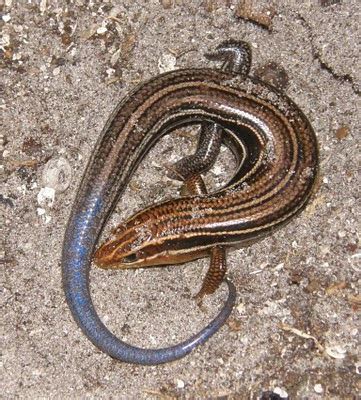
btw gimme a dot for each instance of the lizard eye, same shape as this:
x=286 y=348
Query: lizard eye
x=130 y=258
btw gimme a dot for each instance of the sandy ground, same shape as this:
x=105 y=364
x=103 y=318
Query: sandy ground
x=294 y=330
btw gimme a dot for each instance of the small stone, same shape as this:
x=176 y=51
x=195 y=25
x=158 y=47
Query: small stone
x=167 y=62
x=180 y=384
x=5 y=40
x=274 y=74
x=281 y=392
x=57 y=174
x=324 y=249
x=6 y=17
x=110 y=72
x=40 y=211
x=247 y=10
x=115 y=57
x=358 y=368
x=18 y=28
x=234 y=325
x=46 y=196
x=278 y=267
x=318 y=388
x=101 y=30
x=342 y=132
x=42 y=6
x=240 y=308
x=313 y=286
x=166 y=4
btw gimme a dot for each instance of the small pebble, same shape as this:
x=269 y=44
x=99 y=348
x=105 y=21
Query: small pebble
x=166 y=62
x=42 y=213
x=166 y=4
x=6 y=17
x=57 y=174
x=278 y=267
x=358 y=368
x=318 y=388
x=46 y=196
x=324 y=249
x=240 y=308
x=180 y=384
x=101 y=30
x=342 y=132
x=274 y=74
x=42 y=6
x=281 y=392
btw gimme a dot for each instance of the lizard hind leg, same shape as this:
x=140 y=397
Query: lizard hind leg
x=215 y=274
x=218 y=266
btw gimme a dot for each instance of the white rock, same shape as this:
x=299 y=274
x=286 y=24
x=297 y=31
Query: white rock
x=57 y=174
x=180 y=384
x=318 y=388
x=166 y=62
x=101 y=30
x=281 y=392
x=46 y=196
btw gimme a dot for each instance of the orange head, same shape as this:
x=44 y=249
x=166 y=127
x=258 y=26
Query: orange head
x=142 y=242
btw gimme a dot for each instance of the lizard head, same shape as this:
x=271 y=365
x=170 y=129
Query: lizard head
x=143 y=241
